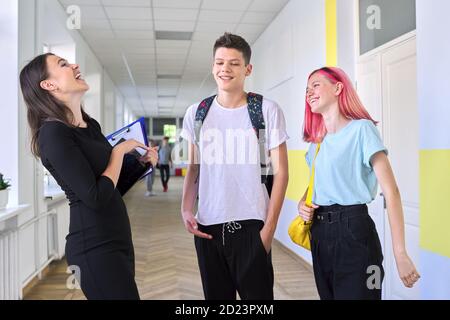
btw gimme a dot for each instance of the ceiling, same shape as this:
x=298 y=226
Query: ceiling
x=135 y=42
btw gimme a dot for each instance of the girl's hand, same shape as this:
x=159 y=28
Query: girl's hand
x=306 y=212
x=406 y=270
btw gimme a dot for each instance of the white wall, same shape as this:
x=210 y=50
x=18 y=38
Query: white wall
x=26 y=51
x=433 y=69
x=93 y=99
x=128 y=114
x=119 y=110
x=109 y=104
x=433 y=66
x=346 y=32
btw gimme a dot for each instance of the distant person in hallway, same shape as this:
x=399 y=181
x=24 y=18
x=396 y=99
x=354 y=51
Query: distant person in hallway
x=237 y=211
x=150 y=177
x=74 y=150
x=165 y=162
x=350 y=162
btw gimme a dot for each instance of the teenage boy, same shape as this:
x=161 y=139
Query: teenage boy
x=236 y=218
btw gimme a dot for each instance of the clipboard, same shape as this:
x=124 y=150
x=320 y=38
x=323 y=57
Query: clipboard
x=132 y=169
x=135 y=130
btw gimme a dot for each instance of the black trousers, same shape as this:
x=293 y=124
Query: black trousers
x=347 y=255
x=164 y=169
x=235 y=260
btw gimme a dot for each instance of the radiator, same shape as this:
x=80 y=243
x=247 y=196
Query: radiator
x=9 y=266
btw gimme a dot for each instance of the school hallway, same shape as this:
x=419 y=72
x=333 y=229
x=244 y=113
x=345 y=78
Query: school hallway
x=150 y=64
x=166 y=262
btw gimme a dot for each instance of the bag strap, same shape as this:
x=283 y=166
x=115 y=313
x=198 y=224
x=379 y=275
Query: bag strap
x=255 y=112
x=200 y=116
x=254 y=108
x=310 y=192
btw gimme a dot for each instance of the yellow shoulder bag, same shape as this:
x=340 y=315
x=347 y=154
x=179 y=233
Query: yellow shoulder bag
x=300 y=230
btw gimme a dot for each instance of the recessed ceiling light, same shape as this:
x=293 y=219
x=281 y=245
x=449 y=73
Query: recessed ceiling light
x=173 y=35
x=168 y=76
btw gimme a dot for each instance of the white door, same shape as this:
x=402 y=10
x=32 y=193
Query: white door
x=386 y=84
x=369 y=90
x=401 y=136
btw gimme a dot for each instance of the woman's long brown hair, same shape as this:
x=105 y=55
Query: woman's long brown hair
x=41 y=104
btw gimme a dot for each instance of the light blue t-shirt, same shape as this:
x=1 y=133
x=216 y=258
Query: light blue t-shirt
x=344 y=174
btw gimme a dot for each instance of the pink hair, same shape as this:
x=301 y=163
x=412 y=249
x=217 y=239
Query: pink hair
x=350 y=105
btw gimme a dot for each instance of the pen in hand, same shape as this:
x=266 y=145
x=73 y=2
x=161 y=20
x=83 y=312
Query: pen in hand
x=151 y=156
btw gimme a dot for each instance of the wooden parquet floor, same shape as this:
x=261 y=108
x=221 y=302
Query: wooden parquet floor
x=166 y=262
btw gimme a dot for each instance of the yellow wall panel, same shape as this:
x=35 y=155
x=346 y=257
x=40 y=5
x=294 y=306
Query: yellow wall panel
x=331 y=32
x=435 y=201
x=298 y=175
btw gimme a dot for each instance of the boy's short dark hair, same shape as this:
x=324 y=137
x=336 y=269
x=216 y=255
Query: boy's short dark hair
x=233 y=41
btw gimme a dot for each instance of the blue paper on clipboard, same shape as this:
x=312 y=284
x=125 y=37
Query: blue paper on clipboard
x=132 y=169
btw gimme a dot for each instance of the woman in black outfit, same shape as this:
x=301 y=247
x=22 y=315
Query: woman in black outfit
x=74 y=150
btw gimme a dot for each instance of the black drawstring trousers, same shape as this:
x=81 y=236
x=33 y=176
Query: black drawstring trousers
x=235 y=260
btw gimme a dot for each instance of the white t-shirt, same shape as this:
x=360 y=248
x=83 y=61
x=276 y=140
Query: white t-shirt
x=230 y=187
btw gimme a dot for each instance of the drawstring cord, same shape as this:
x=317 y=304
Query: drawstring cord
x=231 y=227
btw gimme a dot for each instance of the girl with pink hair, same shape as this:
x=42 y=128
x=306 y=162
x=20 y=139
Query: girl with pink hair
x=351 y=160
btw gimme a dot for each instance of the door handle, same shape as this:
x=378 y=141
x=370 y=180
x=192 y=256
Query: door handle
x=384 y=200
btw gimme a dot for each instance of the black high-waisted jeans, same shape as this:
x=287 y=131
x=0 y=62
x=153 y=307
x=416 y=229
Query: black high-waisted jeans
x=347 y=255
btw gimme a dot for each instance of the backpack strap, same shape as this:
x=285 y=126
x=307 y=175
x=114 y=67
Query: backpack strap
x=255 y=112
x=200 y=116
